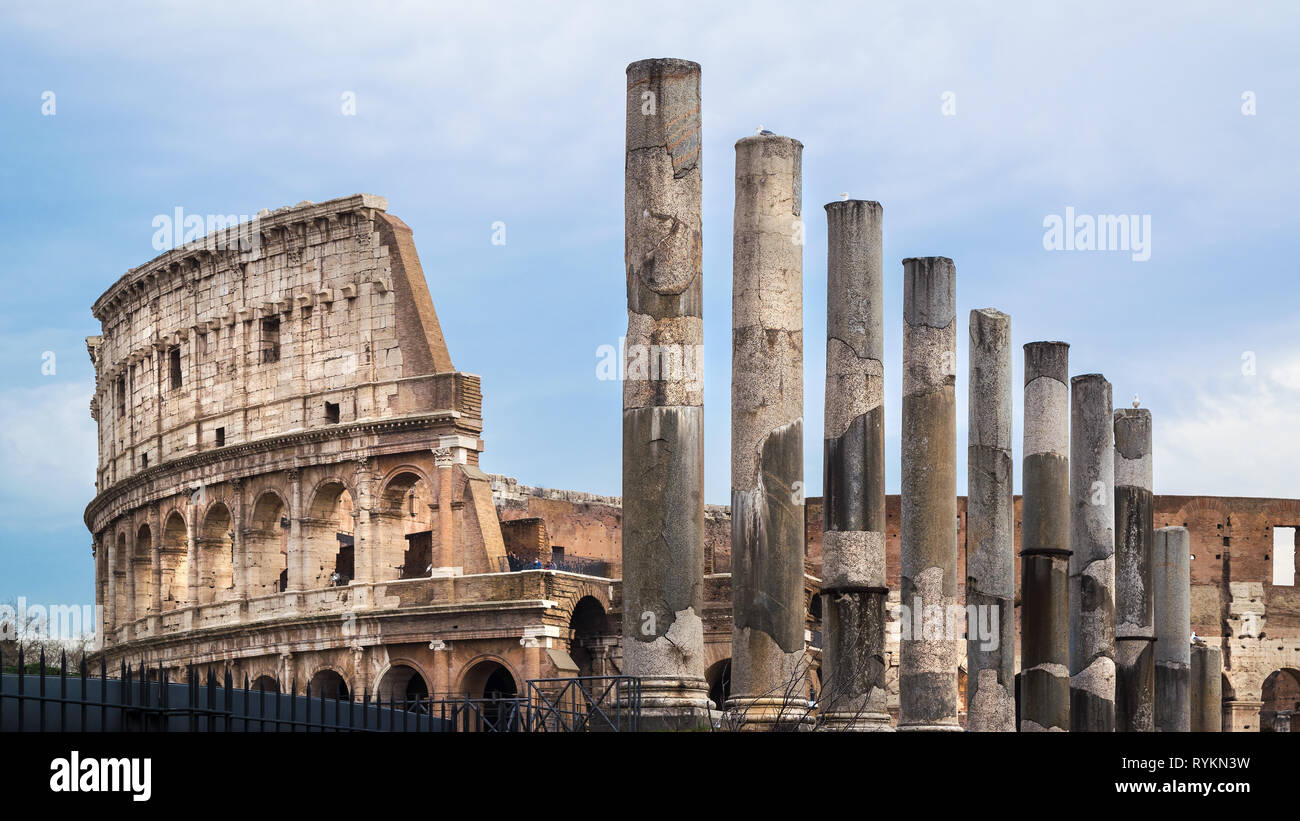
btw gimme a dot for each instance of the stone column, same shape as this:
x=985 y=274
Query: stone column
x=990 y=527
x=155 y=559
x=1134 y=604
x=1171 y=572
x=295 y=560
x=1092 y=560
x=110 y=611
x=191 y=557
x=1207 y=690
x=239 y=546
x=853 y=694
x=444 y=560
x=663 y=396
x=1045 y=541
x=927 y=670
x=767 y=524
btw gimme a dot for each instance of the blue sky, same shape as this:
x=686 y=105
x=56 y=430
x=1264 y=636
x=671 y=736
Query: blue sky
x=466 y=117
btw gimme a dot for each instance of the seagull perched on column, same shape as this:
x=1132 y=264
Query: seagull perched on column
x=763 y=132
x=844 y=196
x=1136 y=401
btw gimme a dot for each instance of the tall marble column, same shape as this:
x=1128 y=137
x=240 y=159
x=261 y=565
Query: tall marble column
x=853 y=694
x=1134 y=601
x=990 y=527
x=767 y=525
x=927 y=672
x=1092 y=560
x=1045 y=541
x=1207 y=690
x=663 y=395
x=1171 y=572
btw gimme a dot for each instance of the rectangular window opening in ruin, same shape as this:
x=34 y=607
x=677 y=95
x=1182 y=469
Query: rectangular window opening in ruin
x=270 y=340
x=174 y=358
x=121 y=396
x=221 y=437
x=1284 y=555
x=331 y=413
x=144 y=460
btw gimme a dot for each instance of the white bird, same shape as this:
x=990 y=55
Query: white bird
x=763 y=132
x=1136 y=401
x=1197 y=640
x=844 y=195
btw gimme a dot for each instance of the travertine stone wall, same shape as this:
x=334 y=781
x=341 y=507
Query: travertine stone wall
x=278 y=412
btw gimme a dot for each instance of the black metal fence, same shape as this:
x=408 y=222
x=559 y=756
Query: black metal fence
x=41 y=698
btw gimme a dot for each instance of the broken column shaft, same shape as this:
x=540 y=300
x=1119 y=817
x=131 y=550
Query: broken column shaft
x=1092 y=560
x=1045 y=541
x=1134 y=601
x=990 y=526
x=1206 y=690
x=1171 y=576
x=927 y=673
x=663 y=415
x=767 y=524
x=853 y=694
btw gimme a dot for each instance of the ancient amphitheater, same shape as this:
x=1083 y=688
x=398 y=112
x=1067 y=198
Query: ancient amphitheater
x=289 y=485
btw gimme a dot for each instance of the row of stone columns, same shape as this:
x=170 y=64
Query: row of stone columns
x=1093 y=656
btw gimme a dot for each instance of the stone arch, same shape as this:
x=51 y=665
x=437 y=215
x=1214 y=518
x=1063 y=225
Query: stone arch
x=1280 y=694
x=328 y=682
x=216 y=551
x=266 y=543
x=405 y=522
x=589 y=635
x=490 y=680
x=142 y=571
x=404 y=682
x=718 y=676
x=479 y=672
x=328 y=534
x=175 y=561
x=264 y=683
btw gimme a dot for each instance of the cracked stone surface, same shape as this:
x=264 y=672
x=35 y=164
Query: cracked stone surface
x=1092 y=565
x=1173 y=653
x=1134 y=593
x=767 y=526
x=663 y=432
x=990 y=523
x=928 y=666
x=1045 y=539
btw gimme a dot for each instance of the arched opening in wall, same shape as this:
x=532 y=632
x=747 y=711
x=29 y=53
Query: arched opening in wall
x=121 y=595
x=328 y=684
x=175 y=563
x=264 y=684
x=405 y=550
x=216 y=555
x=142 y=571
x=267 y=546
x=329 y=535
x=404 y=685
x=719 y=678
x=588 y=626
x=493 y=686
x=1281 y=695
